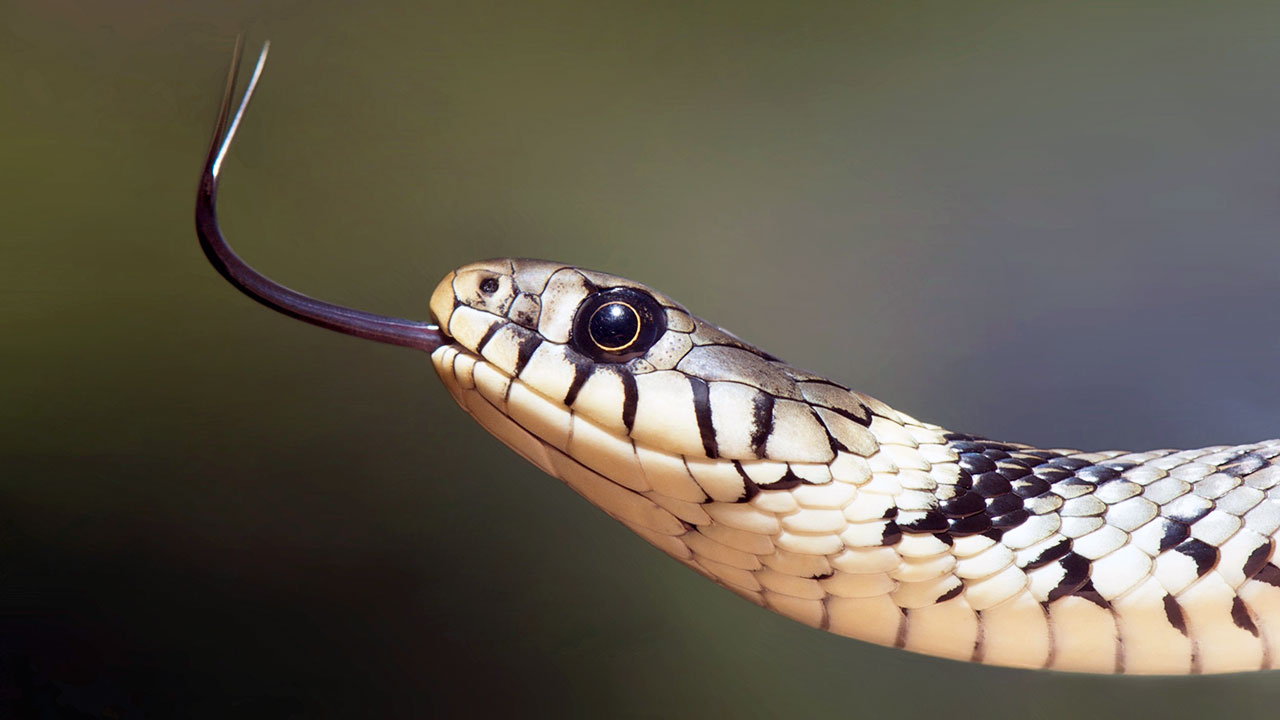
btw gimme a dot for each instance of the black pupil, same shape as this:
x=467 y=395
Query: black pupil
x=614 y=326
x=489 y=286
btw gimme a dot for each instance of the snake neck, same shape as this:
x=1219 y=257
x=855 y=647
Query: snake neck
x=945 y=543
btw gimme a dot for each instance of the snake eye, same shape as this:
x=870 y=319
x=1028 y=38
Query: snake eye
x=617 y=325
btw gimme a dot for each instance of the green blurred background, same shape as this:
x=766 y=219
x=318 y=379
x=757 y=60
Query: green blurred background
x=1049 y=222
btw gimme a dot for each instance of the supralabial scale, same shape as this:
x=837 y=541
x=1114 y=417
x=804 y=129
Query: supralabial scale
x=826 y=505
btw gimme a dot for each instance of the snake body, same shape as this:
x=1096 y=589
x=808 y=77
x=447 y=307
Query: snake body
x=832 y=508
x=824 y=504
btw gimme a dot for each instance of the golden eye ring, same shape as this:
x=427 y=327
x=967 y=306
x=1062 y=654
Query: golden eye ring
x=617 y=325
x=614 y=326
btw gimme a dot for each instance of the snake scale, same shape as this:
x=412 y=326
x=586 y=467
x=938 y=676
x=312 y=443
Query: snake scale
x=824 y=504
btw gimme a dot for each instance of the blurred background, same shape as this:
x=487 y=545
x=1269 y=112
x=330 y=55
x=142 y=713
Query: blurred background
x=1048 y=222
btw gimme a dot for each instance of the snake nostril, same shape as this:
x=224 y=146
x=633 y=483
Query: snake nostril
x=489 y=285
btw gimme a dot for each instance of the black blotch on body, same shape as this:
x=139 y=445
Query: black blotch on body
x=1075 y=575
x=1204 y=555
x=963 y=505
x=976 y=463
x=1269 y=574
x=702 y=411
x=1004 y=504
x=1173 y=612
x=1012 y=469
x=891 y=535
x=1011 y=520
x=1029 y=486
x=1240 y=616
x=1258 y=559
x=929 y=521
x=972 y=525
x=992 y=484
x=1056 y=551
x=1174 y=533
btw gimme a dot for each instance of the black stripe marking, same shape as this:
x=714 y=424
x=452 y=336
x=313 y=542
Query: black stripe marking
x=488 y=335
x=1173 y=612
x=1053 y=637
x=529 y=343
x=749 y=487
x=979 y=643
x=762 y=419
x=900 y=641
x=1240 y=616
x=702 y=411
x=582 y=369
x=630 y=397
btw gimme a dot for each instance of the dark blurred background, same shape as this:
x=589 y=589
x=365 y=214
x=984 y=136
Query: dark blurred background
x=1047 y=222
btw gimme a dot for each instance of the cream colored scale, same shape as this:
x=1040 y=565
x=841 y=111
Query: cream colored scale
x=824 y=504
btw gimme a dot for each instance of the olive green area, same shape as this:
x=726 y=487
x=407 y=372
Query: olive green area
x=1050 y=222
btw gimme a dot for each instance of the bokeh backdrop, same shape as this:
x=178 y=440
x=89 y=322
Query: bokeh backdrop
x=1057 y=223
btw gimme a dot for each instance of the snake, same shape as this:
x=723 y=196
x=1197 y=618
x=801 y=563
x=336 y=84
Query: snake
x=821 y=503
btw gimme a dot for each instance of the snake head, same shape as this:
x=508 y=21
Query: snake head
x=636 y=366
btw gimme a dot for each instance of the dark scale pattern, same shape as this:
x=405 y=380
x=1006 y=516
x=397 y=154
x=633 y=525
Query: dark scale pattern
x=1187 y=503
x=997 y=485
x=995 y=480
